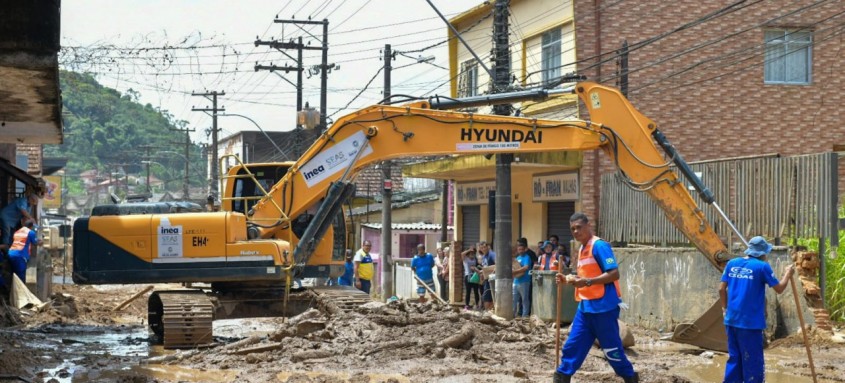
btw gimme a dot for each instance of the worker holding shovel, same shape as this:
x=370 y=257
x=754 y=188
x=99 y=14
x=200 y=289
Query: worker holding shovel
x=597 y=289
x=743 y=297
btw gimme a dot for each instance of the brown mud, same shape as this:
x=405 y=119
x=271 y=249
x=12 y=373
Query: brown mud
x=78 y=338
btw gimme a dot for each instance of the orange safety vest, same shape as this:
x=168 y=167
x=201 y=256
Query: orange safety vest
x=542 y=262
x=19 y=239
x=589 y=268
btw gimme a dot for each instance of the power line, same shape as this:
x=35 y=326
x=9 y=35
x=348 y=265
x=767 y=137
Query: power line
x=753 y=65
x=726 y=37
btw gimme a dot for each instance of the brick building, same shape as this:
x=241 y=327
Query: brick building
x=756 y=78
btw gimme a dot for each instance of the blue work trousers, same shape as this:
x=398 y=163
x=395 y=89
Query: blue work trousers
x=19 y=267
x=585 y=328
x=745 y=356
x=365 y=285
x=521 y=299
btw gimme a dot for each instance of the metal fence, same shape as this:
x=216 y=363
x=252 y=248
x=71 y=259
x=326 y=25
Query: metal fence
x=777 y=197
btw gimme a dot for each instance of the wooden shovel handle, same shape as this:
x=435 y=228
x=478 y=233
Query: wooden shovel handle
x=557 y=321
x=803 y=327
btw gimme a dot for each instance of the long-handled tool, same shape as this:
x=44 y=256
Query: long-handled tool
x=557 y=321
x=803 y=328
x=429 y=289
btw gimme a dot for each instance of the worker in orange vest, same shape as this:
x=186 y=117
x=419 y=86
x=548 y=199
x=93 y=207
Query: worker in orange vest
x=597 y=290
x=19 y=250
x=546 y=261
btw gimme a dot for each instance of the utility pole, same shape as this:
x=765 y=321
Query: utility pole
x=386 y=200
x=147 y=163
x=297 y=148
x=324 y=67
x=281 y=47
x=212 y=96
x=444 y=216
x=503 y=218
x=186 y=182
x=622 y=62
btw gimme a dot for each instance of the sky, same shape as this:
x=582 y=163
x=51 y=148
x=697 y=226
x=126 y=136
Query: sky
x=210 y=47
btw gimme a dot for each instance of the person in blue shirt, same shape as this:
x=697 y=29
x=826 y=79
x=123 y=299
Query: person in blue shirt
x=742 y=293
x=346 y=278
x=422 y=265
x=597 y=289
x=488 y=258
x=13 y=213
x=522 y=282
x=19 y=250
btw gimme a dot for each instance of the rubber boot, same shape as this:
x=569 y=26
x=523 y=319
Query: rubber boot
x=632 y=379
x=561 y=378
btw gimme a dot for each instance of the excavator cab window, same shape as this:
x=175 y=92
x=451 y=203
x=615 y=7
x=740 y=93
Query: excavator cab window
x=265 y=175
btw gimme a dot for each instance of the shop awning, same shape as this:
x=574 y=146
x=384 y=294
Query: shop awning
x=477 y=167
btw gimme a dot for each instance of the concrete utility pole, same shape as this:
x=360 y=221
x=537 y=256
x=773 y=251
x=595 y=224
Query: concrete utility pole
x=622 y=62
x=146 y=161
x=324 y=66
x=386 y=201
x=444 y=215
x=212 y=187
x=187 y=143
x=503 y=230
x=298 y=68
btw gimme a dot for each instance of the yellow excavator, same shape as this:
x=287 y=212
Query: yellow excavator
x=258 y=245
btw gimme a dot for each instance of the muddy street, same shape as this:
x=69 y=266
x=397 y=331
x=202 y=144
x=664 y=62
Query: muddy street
x=80 y=339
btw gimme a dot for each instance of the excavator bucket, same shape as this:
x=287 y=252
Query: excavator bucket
x=708 y=331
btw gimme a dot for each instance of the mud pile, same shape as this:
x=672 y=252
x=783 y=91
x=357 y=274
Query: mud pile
x=399 y=341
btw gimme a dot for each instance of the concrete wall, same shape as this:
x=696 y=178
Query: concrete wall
x=667 y=286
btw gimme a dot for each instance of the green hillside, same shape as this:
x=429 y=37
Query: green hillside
x=107 y=131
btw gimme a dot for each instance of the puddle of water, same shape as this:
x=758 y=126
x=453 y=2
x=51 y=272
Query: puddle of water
x=715 y=371
x=344 y=376
x=161 y=372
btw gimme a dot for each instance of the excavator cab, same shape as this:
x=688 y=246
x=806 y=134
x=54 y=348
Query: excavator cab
x=244 y=184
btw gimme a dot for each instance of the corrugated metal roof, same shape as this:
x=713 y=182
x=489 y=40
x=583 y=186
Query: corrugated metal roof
x=408 y=226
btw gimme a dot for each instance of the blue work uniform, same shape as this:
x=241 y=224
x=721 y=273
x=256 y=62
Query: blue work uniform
x=19 y=251
x=745 y=319
x=346 y=278
x=597 y=319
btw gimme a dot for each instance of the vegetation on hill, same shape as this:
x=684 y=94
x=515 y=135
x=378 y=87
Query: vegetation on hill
x=108 y=131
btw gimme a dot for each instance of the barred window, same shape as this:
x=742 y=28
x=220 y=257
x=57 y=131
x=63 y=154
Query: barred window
x=789 y=56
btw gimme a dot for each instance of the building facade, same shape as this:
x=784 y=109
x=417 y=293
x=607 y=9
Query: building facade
x=545 y=186
x=721 y=79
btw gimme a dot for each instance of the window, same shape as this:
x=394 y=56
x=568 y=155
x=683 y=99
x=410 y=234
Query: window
x=468 y=84
x=551 y=56
x=789 y=56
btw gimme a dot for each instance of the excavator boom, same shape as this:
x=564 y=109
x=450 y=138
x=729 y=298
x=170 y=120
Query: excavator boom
x=235 y=251
x=383 y=132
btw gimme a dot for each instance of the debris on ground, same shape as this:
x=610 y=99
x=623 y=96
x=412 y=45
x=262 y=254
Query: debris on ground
x=398 y=341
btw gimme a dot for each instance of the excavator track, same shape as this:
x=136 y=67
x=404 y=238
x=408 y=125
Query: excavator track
x=339 y=299
x=181 y=319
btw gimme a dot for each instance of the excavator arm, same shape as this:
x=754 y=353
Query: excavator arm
x=641 y=154
x=383 y=132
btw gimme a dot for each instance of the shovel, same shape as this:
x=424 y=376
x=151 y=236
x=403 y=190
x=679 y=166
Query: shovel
x=557 y=322
x=803 y=328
